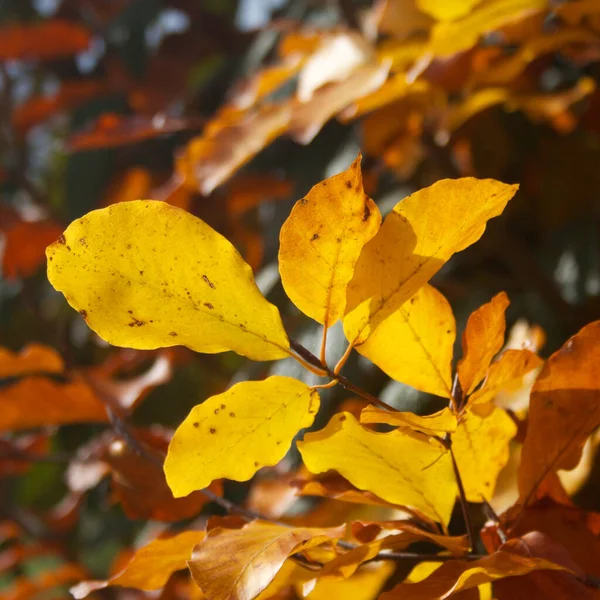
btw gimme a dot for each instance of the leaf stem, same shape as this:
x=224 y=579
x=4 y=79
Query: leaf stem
x=324 y=344
x=343 y=360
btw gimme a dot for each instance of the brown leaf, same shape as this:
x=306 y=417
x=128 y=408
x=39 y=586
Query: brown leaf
x=151 y=566
x=564 y=410
x=230 y=140
x=41 y=392
x=460 y=575
x=238 y=564
x=45 y=41
x=309 y=117
x=70 y=95
x=139 y=482
x=112 y=130
x=482 y=340
x=366 y=532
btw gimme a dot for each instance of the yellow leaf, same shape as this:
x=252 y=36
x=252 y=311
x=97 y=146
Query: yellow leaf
x=363 y=585
x=437 y=424
x=401 y=467
x=447 y=10
x=481 y=449
x=232 y=435
x=482 y=340
x=449 y=37
x=414 y=344
x=416 y=239
x=238 y=564
x=320 y=243
x=151 y=566
x=146 y=275
x=502 y=375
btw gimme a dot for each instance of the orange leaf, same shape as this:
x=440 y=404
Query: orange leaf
x=40 y=396
x=25 y=246
x=309 y=117
x=230 y=140
x=455 y=576
x=46 y=41
x=564 y=410
x=151 y=566
x=238 y=564
x=504 y=374
x=482 y=340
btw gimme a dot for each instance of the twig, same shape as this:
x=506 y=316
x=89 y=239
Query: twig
x=461 y=494
x=310 y=358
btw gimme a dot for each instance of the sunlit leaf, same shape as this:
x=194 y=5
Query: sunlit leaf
x=151 y=566
x=482 y=340
x=447 y=10
x=321 y=240
x=505 y=374
x=238 y=564
x=415 y=240
x=234 y=434
x=481 y=449
x=365 y=584
x=414 y=344
x=437 y=424
x=309 y=117
x=449 y=37
x=228 y=142
x=145 y=275
x=401 y=467
x=564 y=410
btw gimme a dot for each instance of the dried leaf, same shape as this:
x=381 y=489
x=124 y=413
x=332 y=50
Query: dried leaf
x=106 y=266
x=460 y=575
x=564 y=410
x=228 y=142
x=401 y=467
x=320 y=243
x=309 y=117
x=238 y=564
x=151 y=566
x=236 y=433
x=482 y=340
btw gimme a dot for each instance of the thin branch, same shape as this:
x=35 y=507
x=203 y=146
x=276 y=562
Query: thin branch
x=310 y=358
x=461 y=494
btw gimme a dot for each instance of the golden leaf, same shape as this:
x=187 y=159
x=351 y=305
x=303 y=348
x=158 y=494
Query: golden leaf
x=320 y=243
x=402 y=467
x=146 y=275
x=234 y=434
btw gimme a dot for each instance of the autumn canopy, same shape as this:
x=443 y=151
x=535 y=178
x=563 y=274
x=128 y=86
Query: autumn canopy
x=300 y=301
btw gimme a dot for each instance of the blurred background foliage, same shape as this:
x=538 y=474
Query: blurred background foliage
x=233 y=110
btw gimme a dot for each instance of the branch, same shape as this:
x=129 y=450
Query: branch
x=310 y=358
